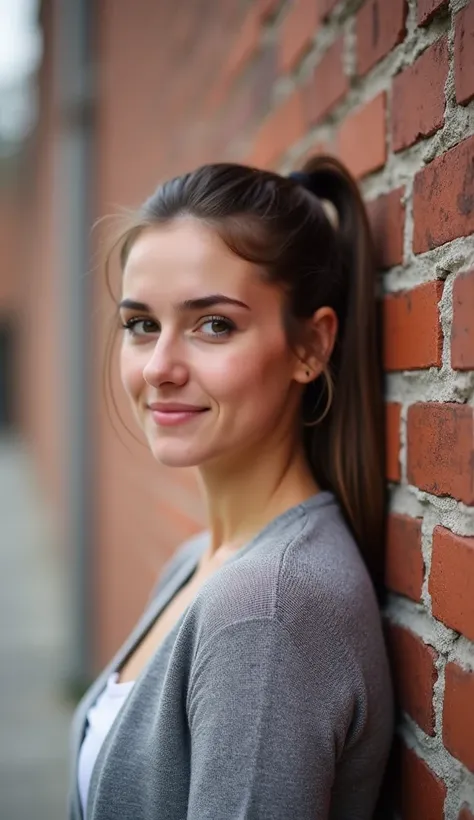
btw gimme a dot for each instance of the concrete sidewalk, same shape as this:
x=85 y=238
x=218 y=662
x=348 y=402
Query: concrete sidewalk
x=34 y=721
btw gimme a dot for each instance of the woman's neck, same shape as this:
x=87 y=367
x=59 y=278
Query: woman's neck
x=245 y=495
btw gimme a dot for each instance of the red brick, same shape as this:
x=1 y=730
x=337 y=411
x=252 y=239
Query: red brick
x=380 y=26
x=462 y=333
x=281 y=129
x=404 y=559
x=248 y=101
x=238 y=115
x=297 y=32
x=361 y=142
x=464 y=54
x=413 y=665
x=443 y=198
x=422 y=793
x=440 y=440
x=451 y=580
x=245 y=45
x=392 y=437
x=465 y=814
x=428 y=8
x=458 y=714
x=413 y=336
x=328 y=84
x=387 y=221
x=418 y=100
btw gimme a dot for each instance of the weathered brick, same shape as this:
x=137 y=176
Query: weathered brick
x=443 y=198
x=392 y=438
x=413 y=664
x=380 y=26
x=427 y=9
x=458 y=714
x=451 y=580
x=248 y=101
x=462 y=332
x=412 y=330
x=464 y=54
x=328 y=84
x=418 y=100
x=387 y=221
x=224 y=133
x=422 y=793
x=243 y=49
x=440 y=449
x=279 y=131
x=404 y=559
x=361 y=142
x=245 y=45
x=297 y=32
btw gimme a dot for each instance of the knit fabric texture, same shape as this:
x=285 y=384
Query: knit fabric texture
x=271 y=697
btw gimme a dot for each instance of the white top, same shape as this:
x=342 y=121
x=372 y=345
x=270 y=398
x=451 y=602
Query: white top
x=99 y=720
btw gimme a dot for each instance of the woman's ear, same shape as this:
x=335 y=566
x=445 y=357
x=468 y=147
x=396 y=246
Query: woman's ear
x=314 y=353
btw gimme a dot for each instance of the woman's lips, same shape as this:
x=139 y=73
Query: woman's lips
x=175 y=414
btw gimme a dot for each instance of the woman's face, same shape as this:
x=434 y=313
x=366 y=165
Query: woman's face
x=204 y=359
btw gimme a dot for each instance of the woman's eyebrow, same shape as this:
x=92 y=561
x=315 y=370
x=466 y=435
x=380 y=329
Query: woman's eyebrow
x=208 y=301
x=132 y=305
x=189 y=304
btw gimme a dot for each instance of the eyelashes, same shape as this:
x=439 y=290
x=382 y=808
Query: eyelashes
x=149 y=326
x=131 y=326
x=219 y=320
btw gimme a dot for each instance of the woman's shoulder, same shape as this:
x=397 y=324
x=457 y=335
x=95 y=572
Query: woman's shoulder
x=311 y=579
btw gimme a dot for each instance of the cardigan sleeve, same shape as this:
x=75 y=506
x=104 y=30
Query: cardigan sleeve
x=267 y=725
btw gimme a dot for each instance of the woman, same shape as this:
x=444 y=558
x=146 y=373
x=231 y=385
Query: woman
x=256 y=684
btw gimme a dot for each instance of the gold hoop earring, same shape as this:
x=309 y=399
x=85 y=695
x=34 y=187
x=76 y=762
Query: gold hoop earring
x=330 y=392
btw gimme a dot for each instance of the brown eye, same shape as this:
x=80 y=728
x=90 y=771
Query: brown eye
x=219 y=326
x=140 y=327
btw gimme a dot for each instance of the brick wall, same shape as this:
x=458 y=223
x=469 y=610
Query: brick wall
x=387 y=85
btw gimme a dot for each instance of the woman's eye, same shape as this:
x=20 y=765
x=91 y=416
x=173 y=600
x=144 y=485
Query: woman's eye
x=140 y=327
x=218 y=326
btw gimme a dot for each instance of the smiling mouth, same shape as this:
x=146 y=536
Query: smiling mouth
x=170 y=418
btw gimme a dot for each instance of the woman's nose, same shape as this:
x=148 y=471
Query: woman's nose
x=164 y=365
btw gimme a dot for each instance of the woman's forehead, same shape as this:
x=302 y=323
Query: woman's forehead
x=183 y=241
x=186 y=259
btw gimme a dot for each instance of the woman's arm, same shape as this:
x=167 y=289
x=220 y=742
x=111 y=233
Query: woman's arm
x=266 y=726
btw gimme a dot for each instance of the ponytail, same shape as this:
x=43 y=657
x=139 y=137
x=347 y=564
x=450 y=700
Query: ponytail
x=351 y=435
x=276 y=223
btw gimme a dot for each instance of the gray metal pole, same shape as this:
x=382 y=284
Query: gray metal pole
x=73 y=190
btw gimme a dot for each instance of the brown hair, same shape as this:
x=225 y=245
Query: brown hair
x=282 y=225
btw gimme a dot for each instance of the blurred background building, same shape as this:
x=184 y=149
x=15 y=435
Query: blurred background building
x=114 y=97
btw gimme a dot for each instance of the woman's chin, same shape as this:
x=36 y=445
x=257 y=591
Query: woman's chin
x=170 y=454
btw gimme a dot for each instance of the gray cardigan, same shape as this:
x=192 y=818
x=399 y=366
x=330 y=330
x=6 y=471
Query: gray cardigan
x=269 y=700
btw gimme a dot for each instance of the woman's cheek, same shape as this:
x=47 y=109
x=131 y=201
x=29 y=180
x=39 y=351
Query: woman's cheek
x=131 y=373
x=228 y=374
